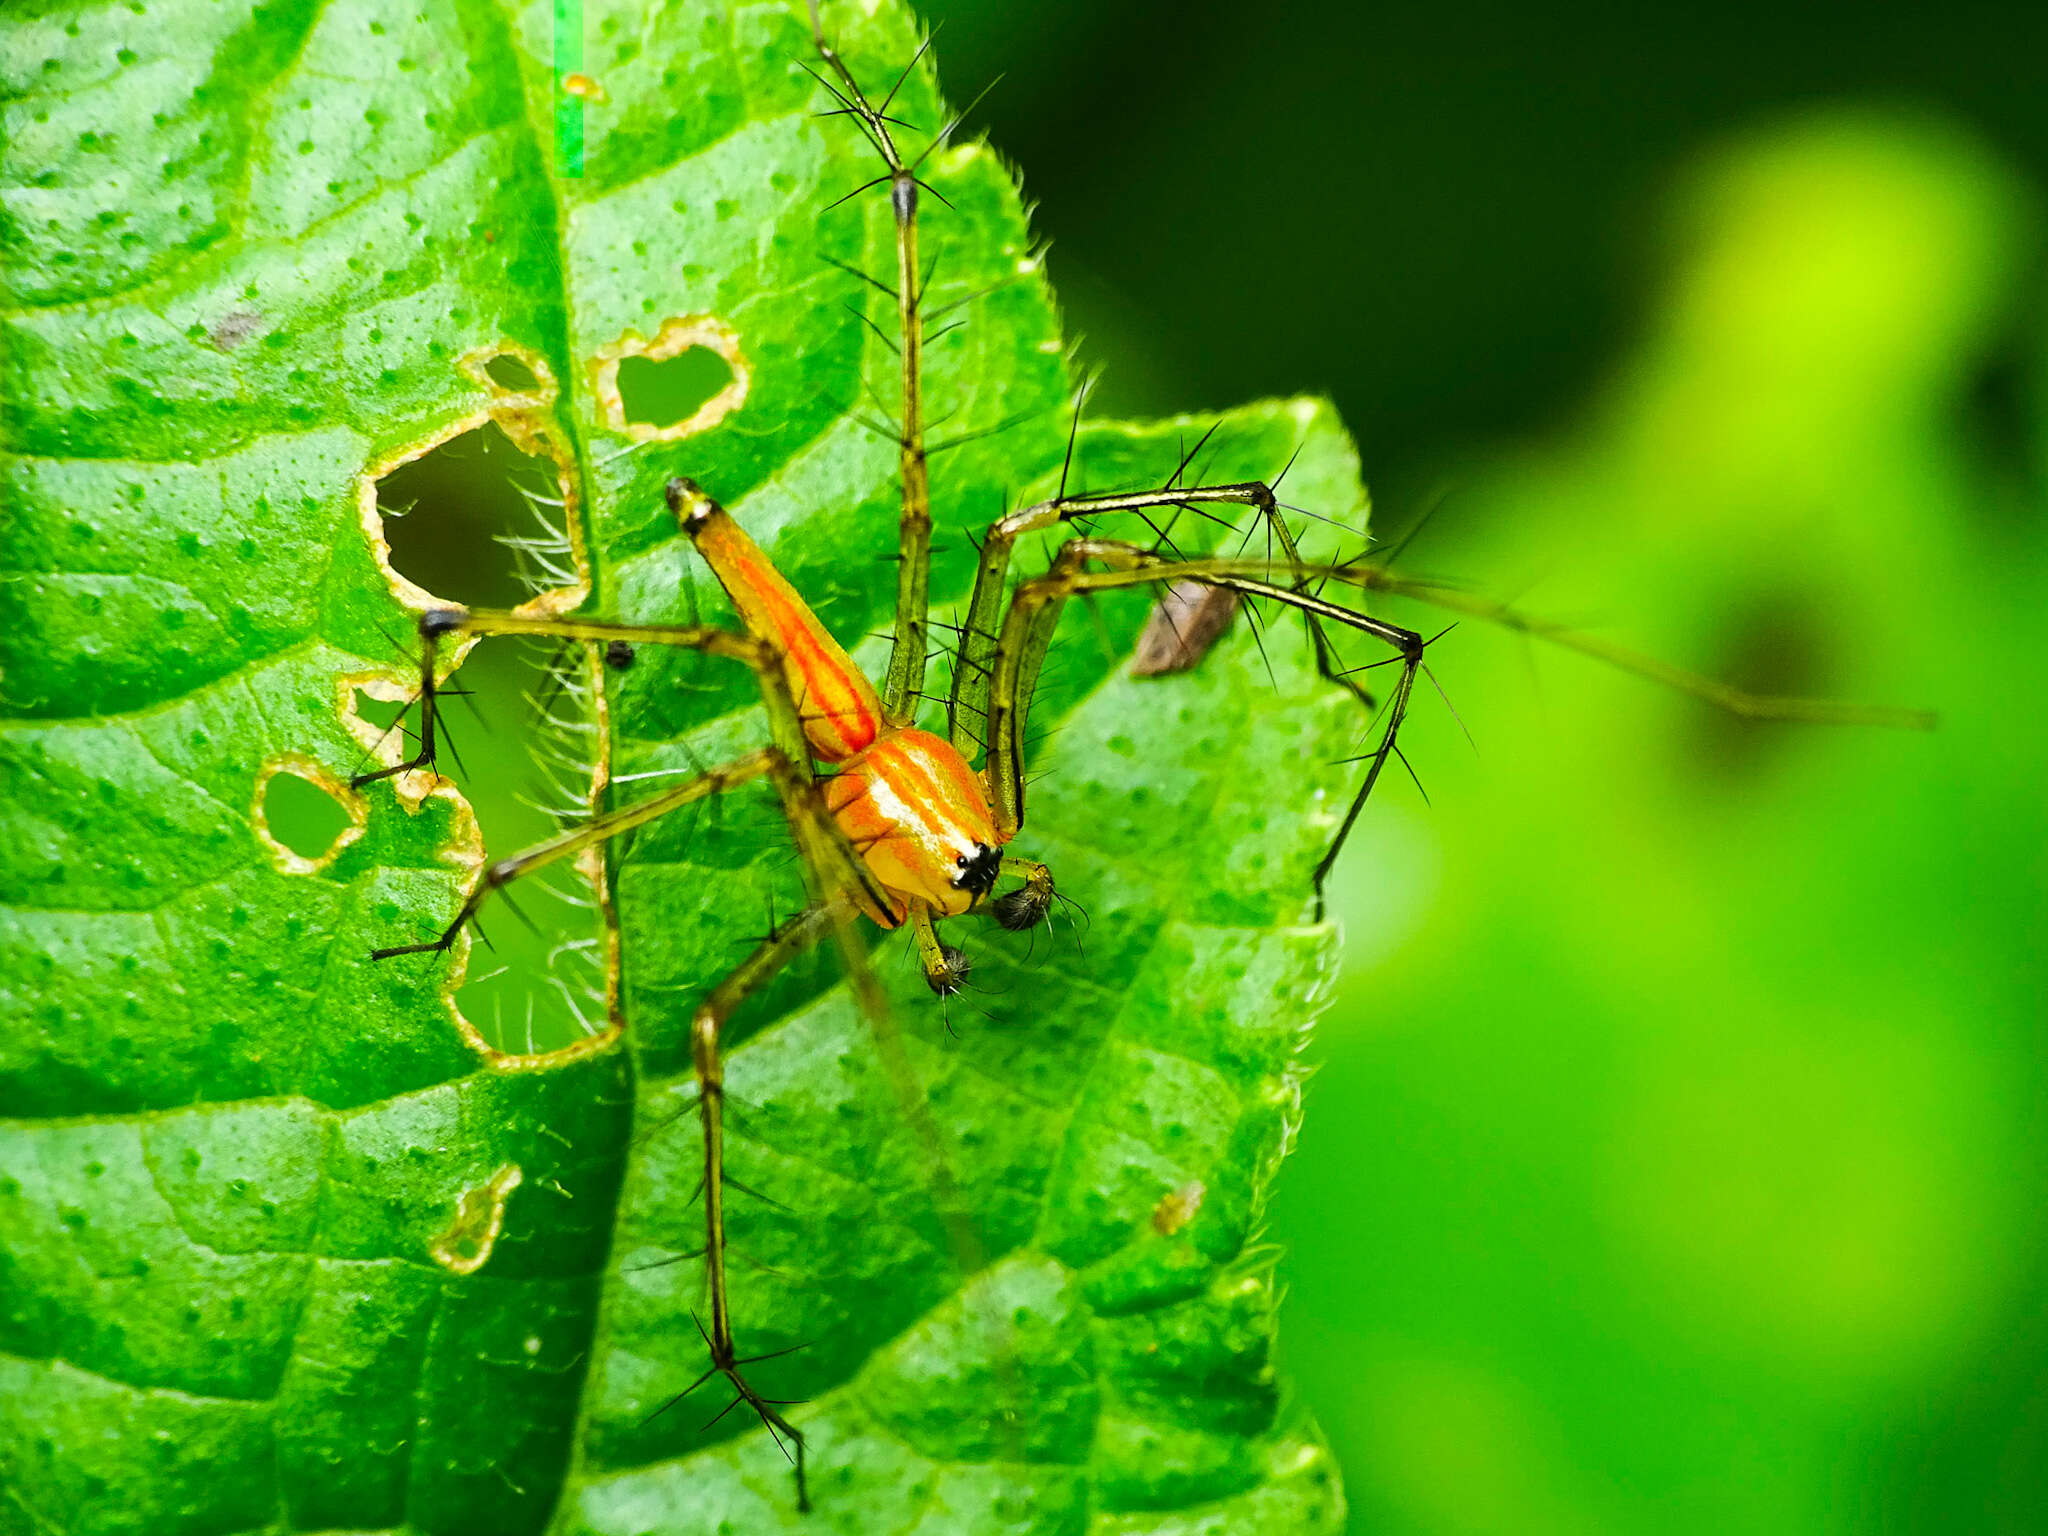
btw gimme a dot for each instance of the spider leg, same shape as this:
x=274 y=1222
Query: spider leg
x=430 y=715
x=967 y=709
x=1709 y=690
x=444 y=628
x=904 y=685
x=1034 y=611
x=945 y=967
x=500 y=873
x=791 y=940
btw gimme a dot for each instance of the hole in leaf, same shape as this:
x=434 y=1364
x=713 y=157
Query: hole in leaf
x=509 y=373
x=382 y=713
x=302 y=815
x=666 y=392
x=449 y=513
x=476 y=521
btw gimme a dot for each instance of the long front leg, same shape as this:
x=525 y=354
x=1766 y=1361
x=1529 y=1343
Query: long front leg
x=446 y=630
x=903 y=689
x=1028 y=629
x=974 y=665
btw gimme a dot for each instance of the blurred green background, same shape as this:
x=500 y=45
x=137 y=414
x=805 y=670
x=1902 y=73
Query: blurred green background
x=1675 y=1159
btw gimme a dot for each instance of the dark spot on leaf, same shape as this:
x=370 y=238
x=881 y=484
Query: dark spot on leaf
x=234 y=328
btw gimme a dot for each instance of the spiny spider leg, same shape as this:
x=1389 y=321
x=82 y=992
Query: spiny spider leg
x=974 y=667
x=768 y=762
x=904 y=685
x=442 y=627
x=1034 y=613
x=752 y=973
x=1737 y=701
x=427 y=751
x=945 y=967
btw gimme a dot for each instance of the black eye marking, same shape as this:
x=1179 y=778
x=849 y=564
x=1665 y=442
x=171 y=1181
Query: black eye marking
x=978 y=870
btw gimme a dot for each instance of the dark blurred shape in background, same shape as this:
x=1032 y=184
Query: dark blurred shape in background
x=1677 y=1158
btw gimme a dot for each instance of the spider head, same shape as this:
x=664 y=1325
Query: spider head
x=976 y=872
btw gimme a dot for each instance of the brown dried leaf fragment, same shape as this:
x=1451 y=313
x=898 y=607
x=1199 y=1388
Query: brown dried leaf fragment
x=1187 y=621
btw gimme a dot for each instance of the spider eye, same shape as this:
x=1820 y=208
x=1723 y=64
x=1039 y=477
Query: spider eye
x=978 y=870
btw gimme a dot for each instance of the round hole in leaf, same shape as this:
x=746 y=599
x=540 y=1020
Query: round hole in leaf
x=303 y=816
x=663 y=393
x=382 y=713
x=448 y=512
x=512 y=375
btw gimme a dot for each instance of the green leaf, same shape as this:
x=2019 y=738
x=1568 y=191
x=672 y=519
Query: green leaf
x=283 y=1242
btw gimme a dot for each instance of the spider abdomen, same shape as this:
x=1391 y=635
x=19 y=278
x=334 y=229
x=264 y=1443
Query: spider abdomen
x=917 y=814
x=834 y=700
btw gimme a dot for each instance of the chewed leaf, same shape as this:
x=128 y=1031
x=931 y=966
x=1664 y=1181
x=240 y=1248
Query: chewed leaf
x=285 y=1237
